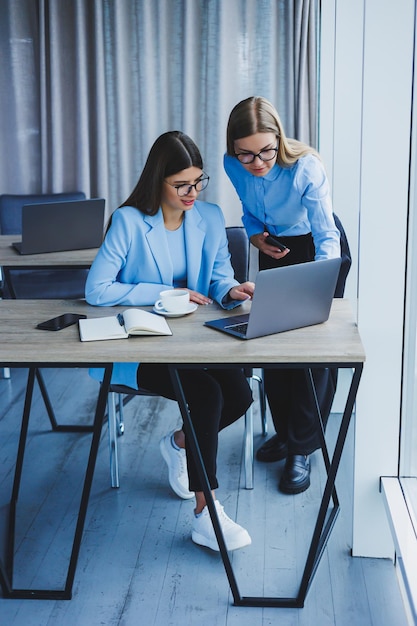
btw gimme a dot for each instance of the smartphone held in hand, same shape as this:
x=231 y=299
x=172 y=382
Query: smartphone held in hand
x=271 y=240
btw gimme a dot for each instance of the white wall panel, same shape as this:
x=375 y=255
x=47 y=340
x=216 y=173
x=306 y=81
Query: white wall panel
x=340 y=115
x=373 y=52
x=387 y=82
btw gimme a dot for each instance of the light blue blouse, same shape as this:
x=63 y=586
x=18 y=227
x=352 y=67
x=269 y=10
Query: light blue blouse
x=176 y=247
x=288 y=201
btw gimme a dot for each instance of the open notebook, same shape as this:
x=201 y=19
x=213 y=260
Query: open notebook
x=124 y=325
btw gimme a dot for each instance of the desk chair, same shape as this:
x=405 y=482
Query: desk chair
x=346 y=259
x=121 y=394
x=123 y=388
x=45 y=283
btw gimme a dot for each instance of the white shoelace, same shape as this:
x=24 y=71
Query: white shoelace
x=224 y=519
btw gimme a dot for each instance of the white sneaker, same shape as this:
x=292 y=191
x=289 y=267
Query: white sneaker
x=203 y=532
x=177 y=467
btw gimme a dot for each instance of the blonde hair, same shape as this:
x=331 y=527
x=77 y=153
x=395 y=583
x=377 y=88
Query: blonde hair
x=258 y=115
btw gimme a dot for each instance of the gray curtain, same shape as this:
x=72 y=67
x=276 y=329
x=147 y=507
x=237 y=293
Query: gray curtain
x=86 y=86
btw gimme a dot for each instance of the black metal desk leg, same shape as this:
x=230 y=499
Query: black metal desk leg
x=195 y=450
x=6 y=575
x=322 y=528
x=98 y=422
x=18 y=473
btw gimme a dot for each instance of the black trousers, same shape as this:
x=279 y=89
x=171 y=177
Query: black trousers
x=215 y=398
x=288 y=395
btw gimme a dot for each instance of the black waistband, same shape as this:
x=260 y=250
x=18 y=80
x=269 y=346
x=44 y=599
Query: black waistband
x=301 y=250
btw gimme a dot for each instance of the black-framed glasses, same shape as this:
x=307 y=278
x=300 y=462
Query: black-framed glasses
x=264 y=155
x=185 y=189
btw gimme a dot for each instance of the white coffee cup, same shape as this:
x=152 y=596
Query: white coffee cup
x=173 y=301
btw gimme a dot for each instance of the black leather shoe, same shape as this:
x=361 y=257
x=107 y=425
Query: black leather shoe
x=296 y=475
x=273 y=450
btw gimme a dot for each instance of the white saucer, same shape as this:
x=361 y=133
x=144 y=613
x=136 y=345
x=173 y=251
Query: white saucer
x=190 y=309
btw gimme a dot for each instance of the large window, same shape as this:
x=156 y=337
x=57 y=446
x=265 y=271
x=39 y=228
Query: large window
x=408 y=442
x=401 y=493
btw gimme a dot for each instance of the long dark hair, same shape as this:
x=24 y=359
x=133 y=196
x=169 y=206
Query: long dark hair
x=172 y=152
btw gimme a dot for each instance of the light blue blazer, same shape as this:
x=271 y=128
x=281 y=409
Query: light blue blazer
x=133 y=264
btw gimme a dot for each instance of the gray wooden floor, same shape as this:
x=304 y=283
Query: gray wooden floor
x=138 y=565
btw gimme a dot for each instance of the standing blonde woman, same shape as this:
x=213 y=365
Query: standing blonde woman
x=285 y=194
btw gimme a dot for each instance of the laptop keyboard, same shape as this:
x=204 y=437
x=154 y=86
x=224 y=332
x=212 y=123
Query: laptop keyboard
x=239 y=328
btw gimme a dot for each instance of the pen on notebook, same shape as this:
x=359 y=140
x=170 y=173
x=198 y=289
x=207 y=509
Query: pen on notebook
x=120 y=318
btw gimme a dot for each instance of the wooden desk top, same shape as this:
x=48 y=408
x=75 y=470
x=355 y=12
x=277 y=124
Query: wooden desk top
x=335 y=341
x=9 y=257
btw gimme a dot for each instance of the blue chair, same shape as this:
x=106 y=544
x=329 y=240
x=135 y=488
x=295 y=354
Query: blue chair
x=36 y=283
x=123 y=388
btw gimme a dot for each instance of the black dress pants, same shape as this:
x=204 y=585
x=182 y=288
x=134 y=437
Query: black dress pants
x=292 y=408
x=215 y=398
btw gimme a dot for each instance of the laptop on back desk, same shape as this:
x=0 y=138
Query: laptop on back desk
x=285 y=298
x=60 y=226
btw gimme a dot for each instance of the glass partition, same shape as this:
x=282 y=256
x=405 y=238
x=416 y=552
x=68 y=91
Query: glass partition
x=408 y=439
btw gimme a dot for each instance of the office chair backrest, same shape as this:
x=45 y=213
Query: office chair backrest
x=239 y=251
x=11 y=207
x=346 y=259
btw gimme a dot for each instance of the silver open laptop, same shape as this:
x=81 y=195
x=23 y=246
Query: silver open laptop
x=59 y=226
x=286 y=298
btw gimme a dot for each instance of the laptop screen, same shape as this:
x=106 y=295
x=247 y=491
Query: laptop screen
x=60 y=226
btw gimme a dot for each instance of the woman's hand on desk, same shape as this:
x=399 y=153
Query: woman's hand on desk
x=243 y=291
x=198 y=298
x=240 y=292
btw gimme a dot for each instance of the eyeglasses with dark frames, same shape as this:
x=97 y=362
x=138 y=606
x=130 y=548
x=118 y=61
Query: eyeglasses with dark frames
x=185 y=189
x=264 y=155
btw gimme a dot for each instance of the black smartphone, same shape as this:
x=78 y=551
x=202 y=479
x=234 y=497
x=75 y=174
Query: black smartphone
x=60 y=322
x=271 y=240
